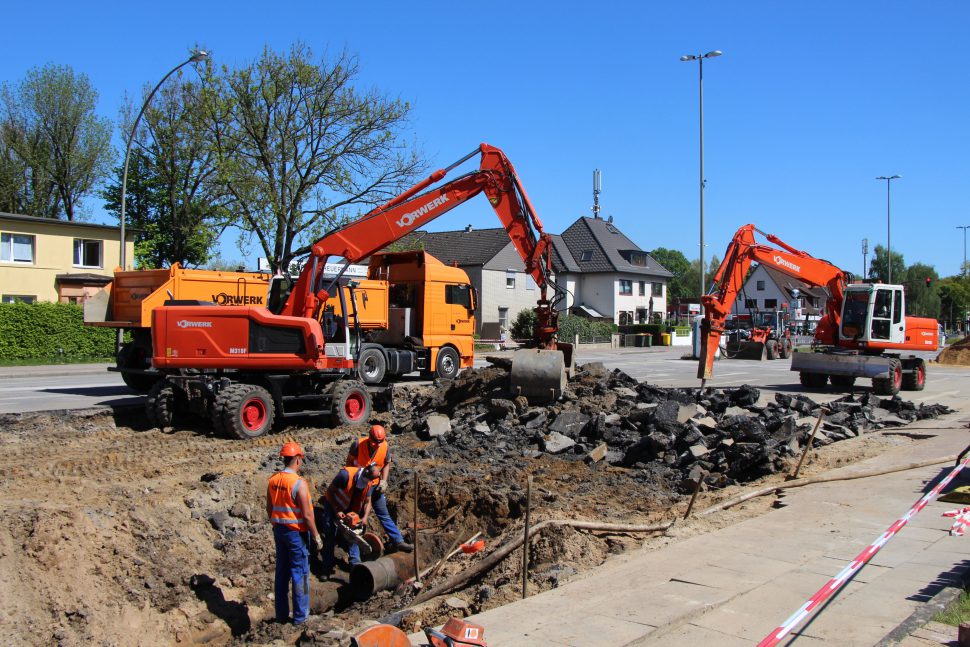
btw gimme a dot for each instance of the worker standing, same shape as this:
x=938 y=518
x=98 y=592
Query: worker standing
x=348 y=501
x=374 y=448
x=290 y=510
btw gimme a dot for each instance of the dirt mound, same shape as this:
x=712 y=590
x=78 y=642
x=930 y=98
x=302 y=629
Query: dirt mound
x=956 y=354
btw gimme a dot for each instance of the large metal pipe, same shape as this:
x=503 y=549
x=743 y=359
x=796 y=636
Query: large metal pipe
x=367 y=578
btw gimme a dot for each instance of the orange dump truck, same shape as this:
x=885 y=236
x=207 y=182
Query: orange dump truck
x=127 y=302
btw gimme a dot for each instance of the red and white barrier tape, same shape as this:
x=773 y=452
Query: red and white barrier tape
x=960 y=521
x=861 y=559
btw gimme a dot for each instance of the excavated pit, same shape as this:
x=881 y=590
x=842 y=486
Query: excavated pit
x=111 y=532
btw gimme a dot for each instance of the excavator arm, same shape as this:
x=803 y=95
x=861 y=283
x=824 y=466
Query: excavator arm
x=418 y=206
x=743 y=250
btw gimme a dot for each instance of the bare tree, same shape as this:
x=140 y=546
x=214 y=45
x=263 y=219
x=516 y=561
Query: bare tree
x=50 y=124
x=301 y=149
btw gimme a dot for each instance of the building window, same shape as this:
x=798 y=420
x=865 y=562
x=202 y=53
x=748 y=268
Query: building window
x=641 y=315
x=18 y=298
x=658 y=290
x=760 y=285
x=638 y=258
x=87 y=253
x=503 y=318
x=530 y=283
x=587 y=255
x=16 y=248
x=643 y=288
x=459 y=295
x=626 y=287
x=771 y=304
x=510 y=279
x=751 y=304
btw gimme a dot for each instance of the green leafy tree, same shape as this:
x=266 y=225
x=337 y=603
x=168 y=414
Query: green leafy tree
x=172 y=195
x=55 y=149
x=301 y=148
x=675 y=261
x=954 y=294
x=922 y=300
x=879 y=269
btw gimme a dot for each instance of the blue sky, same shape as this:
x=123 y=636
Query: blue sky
x=809 y=103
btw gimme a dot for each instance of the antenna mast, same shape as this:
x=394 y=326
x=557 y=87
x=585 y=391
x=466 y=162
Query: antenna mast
x=865 y=256
x=597 y=188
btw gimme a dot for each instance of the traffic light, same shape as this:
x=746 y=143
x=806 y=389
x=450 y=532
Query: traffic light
x=929 y=281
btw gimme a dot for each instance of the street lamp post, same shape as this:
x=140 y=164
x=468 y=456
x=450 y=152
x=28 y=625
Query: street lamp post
x=700 y=78
x=963 y=268
x=194 y=58
x=889 y=247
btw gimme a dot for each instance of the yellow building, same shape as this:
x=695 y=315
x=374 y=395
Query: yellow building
x=42 y=259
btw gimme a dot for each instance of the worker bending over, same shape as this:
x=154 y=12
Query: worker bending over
x=289 y=509
x=373 y=448
x=348 y=500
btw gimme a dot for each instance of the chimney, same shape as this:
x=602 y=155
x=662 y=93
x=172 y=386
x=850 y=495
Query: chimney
x=468 y=228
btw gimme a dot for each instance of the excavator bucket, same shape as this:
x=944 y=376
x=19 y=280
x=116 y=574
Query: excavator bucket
x=744 y=349
x=540 y=374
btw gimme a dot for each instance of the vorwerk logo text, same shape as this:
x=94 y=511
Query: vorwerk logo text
x=786 y=263
x=224 y=299
x=194 y=324
x=408 y=218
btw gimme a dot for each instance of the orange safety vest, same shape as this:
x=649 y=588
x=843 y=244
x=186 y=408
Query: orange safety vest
x=348 y=499
x=286 y=512
x=364 y=458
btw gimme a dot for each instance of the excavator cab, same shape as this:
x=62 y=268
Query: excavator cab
x=873 y=315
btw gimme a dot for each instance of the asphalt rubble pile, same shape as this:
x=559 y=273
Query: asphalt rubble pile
x=674 y=435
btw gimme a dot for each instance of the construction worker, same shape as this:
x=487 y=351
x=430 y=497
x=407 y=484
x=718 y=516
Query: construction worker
x=290 y=510
x=347 y=500
x=373 y=448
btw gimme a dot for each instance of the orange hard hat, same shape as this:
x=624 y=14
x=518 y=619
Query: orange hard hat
x=377 y=433
x=291 y=449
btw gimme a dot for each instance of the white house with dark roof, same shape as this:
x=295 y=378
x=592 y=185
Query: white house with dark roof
x=768 y=289
x=605 y=274
x=616 y=279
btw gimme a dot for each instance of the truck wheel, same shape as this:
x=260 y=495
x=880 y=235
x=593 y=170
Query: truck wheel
x=813 y=380
x=916 y=380
x=843 y=381
x=160 y=405
x=351 y=404
x=372 y=366
x=448 y=363
x=771 y=350
x=247 y=410
x=132 y=356
x=786 y=348
x=889 y=385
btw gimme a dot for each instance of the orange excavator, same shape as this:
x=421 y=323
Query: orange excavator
x=243 y=366
x=861 y=334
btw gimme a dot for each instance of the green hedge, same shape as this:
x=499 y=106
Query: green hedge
x=569 y=326
x=51 y=331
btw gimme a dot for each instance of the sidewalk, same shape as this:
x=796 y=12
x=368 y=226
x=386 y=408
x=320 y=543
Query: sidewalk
x=48 y=370
x=734 y=585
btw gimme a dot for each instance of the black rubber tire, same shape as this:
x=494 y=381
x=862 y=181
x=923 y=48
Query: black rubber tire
x=843 y=381
x=889 y=385
x=771 y=350
x=160 y=405
x=350 y=404
x=786 y=348
x=448 y=363
x=813 y=380
x=217 y=407
x=372 y=366
x=915 y=381
x=248 y=411
x=132 y=356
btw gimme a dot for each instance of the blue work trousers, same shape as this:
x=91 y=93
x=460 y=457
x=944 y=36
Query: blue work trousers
x=379 y=503
x=292 y=566
x=330 y=539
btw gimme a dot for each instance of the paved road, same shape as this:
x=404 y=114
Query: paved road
x=42 y=388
